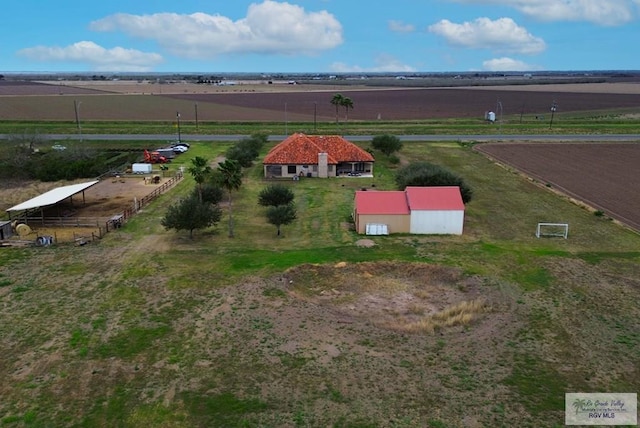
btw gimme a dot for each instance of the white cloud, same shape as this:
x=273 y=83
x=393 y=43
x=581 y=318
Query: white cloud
x=501 y=35
x=601 y=12
x=269 y=28
x=383 y=63
x=115 y=59
x=401 y=27
x=507 y=64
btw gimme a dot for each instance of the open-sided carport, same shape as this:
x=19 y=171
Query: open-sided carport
x=48 y=199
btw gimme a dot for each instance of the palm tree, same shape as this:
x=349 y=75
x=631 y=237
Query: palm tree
x=231 y=179
x=337 y=101
x=199 y=169
x=347 y=103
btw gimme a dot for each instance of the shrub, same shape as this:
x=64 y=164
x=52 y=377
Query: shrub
x=394 y=160
x=387 y=144
x=427 y=174
x=247 y=150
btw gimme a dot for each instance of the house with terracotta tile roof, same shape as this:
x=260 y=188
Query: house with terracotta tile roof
x=435 y=210
x=323 y=156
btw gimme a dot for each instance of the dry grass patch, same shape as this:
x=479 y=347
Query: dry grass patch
x=459 y=314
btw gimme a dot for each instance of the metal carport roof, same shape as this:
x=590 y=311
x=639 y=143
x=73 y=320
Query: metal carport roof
x=53 y=196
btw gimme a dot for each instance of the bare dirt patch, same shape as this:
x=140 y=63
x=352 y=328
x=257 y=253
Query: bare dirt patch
x=344 y=320
x=367 y=243
x=412 y=298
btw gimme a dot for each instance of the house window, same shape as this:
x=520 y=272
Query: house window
x=274 y=171
x=330 y=168
x=291 y=169
x=359 y=167
x=315 y=168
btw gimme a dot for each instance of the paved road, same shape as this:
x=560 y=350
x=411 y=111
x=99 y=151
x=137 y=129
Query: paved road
x=464 y=138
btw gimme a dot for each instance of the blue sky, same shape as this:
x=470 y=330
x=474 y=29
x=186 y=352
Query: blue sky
x=319 y=36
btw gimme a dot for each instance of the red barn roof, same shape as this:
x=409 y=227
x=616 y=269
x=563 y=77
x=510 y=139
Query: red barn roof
x=381 y=202
x=441 y=198
x=437 y=198
x=301 y=149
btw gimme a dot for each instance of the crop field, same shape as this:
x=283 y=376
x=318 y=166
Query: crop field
x=295 y=103
x=599 y=175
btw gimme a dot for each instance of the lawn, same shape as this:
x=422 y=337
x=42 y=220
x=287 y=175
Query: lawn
x=149 y=327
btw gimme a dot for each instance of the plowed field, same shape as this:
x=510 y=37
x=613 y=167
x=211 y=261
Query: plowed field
x=254 y=102
x=603 y=176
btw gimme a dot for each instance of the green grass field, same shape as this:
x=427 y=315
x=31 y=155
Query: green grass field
x=148 y=327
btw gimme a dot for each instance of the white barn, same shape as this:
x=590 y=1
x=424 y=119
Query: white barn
x=435 y=210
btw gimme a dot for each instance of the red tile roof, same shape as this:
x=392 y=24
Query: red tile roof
x=301 y=149
x=381 y=202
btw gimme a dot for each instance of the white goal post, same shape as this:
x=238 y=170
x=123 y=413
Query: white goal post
x=552 y=229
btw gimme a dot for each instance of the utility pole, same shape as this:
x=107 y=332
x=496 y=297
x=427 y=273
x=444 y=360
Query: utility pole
x=196 y=107
x=76 y=108
x=499 y=106
x=554 y=107
x=179 y=135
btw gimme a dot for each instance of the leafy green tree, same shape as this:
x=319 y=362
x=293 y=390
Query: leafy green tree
x=190 y=214
x=387 y=144
x=247 y=150
x=200 y=170
x=279 y=215
x=231 y=179
x=274 y=195
x=337 y=101
x=210 y=192
x=255 y=142
x=428 y=174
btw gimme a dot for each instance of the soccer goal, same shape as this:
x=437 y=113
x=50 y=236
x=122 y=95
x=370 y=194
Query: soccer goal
x=552 y=229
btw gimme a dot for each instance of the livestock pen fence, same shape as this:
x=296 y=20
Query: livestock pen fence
x=146 y=200
x=82 y=230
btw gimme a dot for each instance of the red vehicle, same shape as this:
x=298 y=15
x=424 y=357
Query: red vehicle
x=154 y=157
